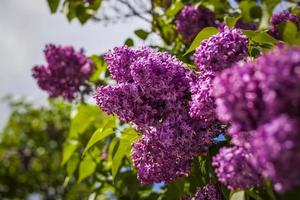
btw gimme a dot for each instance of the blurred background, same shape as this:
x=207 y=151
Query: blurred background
x=25 y=28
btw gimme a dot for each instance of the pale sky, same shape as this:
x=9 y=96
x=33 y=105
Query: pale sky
x=27 y=25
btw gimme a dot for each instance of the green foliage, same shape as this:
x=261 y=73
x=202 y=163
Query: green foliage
x=106 y=129
x=204 y=34
x=81 y=10
x=30 y=150
x=127 y=137
x=289 y=32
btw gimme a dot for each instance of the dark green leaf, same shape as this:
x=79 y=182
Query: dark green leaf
x=82 y=14
x=53 y=5
x=204 y=34
x=129 y=42
x=141 y=34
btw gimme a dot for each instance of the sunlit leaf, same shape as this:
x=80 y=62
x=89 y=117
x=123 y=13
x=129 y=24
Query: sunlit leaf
x=289 y=32
x=85 y=116
x=231 y=21
x=204 y=34
x=128 y=136
x=72 y=165
x=101 y=133
x=86 y=168
x=68 y=150
x=239 y=195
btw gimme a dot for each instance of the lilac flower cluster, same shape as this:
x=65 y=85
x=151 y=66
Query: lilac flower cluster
x=66 y=72
x=208 y=192
x=212 y=56
x=152 y=93
x=221 y=50
x=202 y=106
x=261 y=100
x=191 y=20
x=235 y=169
x=279 y=18
x=277 y=151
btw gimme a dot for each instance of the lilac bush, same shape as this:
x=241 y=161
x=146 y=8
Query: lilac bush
x=152 y=93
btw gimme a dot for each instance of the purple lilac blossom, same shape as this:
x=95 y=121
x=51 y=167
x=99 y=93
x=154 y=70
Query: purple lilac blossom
x=261 y=100
x=208 y=192
x=66 y=71
x=279 y=74
x=221 y=50
x=191 y=20
x=277 y=152
x=279 y=18
x=152 y=93
x=170 y=146
x=202 y=105
x=245 y=25
x=239 y=97
x=234 y=168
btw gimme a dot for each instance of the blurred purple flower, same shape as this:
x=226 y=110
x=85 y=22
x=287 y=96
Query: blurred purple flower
x=191 y=20
x=65 y=73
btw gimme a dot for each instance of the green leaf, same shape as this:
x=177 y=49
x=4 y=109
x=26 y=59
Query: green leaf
x=129 y=42
x=123 y=149
x=264 y=38
x=72 y=165
x=53 y=5
x=85 y=116
x=82 y=14
x=249 y=10
x=174 y=9
x=260 y=37
x=141 y=34
x=68 y=150
x=101 y=67
x=231 y=21
x=86 y=168
x=128 y=136
x=101 y=133
x=289 y=32
x=239 y=195
x=204 y=34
